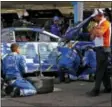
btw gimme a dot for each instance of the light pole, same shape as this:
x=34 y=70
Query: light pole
x=78 y=11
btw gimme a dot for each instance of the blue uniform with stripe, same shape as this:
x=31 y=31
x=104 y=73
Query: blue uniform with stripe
x=69 y=60
x=14 y=66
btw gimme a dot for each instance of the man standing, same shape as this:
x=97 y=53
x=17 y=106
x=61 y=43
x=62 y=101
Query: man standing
x=14 y=66
x=101 y=34
x=55 y=28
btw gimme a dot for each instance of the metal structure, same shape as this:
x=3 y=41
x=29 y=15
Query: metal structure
x=64 y=6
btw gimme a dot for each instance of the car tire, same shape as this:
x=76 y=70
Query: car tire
x=42 y=84
x=57 y=80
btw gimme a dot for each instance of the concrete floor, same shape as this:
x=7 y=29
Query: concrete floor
x=72 y=94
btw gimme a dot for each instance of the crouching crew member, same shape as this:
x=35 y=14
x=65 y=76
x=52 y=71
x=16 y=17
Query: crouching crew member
x=88 y=66
x=14 y=66
x=68 y=63
x=101 y=34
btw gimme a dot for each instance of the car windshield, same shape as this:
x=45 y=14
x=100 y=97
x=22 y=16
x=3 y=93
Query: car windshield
x=26 y=36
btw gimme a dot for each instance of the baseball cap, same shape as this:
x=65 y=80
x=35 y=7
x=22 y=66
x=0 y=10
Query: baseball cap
x=56 y=18
x=97 y=12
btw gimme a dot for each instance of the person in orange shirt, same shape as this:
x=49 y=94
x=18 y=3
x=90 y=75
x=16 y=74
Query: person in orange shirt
x=101 y=35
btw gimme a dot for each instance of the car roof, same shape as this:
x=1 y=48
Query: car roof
x=21 y=28
x=29 y=29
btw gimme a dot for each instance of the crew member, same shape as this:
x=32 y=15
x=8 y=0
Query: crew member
x=55 y=28
x=68 y=62
x=101 y=35
x=88 y=68
x=14 y=66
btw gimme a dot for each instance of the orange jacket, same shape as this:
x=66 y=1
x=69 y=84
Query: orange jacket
x=103 y=30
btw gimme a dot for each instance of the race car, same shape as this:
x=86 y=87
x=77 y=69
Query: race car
x=36 y=46
x=40 y=48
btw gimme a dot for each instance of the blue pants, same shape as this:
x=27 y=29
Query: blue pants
x=89 y=71
x=26 y=88
x=86 y=72
x=73 y=73
x=70 y=70
x=68 y=63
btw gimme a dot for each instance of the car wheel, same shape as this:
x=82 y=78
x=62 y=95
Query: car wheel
x=42 y=84
x=57 y=80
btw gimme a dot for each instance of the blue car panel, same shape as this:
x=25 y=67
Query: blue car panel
x=83 y=44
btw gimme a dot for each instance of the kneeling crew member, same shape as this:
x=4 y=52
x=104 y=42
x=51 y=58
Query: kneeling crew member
x=14 y=66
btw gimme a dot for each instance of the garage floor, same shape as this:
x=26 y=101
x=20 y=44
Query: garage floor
x=72 y=94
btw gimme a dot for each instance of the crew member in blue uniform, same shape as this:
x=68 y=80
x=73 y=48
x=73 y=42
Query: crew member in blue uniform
x=14 y=66
x=55 y=28
x=68 y=63
x=88 y=64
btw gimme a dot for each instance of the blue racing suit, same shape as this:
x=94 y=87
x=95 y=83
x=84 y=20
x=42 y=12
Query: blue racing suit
x=89 y=59
x=89 y=63
x=14 y=66
x=55 y=29
x=69 y=60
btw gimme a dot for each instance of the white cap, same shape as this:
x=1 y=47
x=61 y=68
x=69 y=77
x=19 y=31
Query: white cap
x=25 y=13
x=97 y=12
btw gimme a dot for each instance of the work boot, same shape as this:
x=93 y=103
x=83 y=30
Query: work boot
x=107 y=90
x=93 y=93
x=67 y=79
